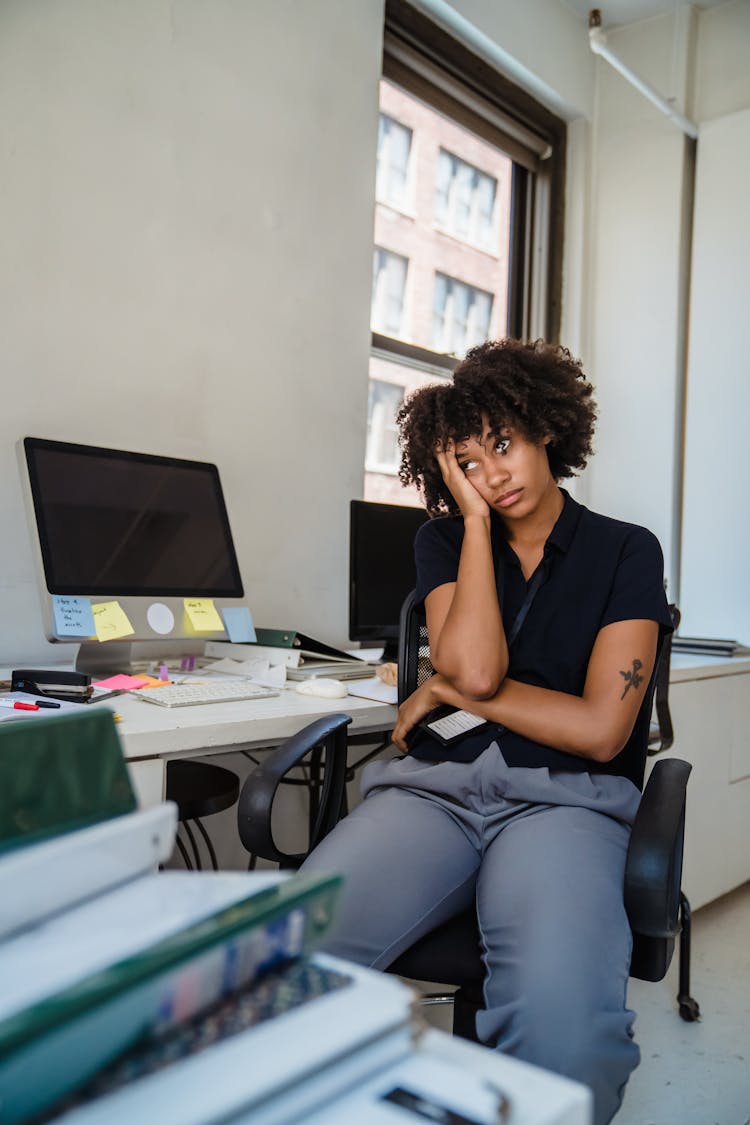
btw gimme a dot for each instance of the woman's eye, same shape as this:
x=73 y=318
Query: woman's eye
x=467 y=466
x=502 y=445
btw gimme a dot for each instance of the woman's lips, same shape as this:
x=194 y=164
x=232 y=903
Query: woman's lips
x=509 y=498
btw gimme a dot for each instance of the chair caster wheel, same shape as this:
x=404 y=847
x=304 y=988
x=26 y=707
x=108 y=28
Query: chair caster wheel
x=689 y=1010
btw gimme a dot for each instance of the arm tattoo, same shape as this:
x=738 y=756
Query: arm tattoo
x=632 y=679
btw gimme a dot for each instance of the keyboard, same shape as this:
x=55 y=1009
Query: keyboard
x=189 y=695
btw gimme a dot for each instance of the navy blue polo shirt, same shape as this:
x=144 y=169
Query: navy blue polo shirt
x=596 y=570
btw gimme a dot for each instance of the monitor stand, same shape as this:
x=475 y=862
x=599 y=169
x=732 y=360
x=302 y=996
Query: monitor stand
x=100 y=660
x=390 y=652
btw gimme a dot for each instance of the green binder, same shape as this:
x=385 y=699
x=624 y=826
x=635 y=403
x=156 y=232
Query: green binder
x=59 y=774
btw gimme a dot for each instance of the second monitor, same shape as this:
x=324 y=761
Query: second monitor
x=381 y=569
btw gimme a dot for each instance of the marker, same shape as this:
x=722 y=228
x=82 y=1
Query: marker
x=46 y=703
x=15 y=705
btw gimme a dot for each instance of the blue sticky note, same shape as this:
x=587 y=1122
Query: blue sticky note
x=73 y=617
x=239 y=624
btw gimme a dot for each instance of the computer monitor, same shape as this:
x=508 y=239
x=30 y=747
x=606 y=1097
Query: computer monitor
x=381 y=569
x=148 y=533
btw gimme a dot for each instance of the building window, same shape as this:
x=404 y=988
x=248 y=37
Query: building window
x=388 y=291
x=461 y=315
x=382 y=433
x=468 y=221
x=465 y=200
x=394 y=149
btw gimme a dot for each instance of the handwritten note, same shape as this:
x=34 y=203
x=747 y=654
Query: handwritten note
x=203 y=615
x=111 y=622
x=238 y=623
x=73 y=617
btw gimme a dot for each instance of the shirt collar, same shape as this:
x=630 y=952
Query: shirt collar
x=562 y=533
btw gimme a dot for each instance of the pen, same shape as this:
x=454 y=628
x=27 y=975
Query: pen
x=46 y=703
x=15 y=705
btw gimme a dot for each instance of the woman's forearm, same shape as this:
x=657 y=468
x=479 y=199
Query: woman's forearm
x=565 y=722
x=471 y=650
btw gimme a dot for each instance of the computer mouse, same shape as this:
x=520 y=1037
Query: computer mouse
x=322 y=686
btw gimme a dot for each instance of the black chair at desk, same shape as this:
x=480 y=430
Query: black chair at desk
x=199 y=789
x=450 y=954
x=655 y=905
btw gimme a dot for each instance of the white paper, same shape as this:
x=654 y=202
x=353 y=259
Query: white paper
x=373 y=688
x=258 y=670
x=43 y=712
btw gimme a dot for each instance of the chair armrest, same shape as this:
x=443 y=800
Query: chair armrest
x=255 y=804
x=653 y=868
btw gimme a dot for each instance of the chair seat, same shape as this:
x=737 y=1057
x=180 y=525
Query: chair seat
x=449 y=954
x=199 y=789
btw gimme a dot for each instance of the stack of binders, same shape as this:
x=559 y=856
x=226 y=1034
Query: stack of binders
x=98 y=951
x=183 y=998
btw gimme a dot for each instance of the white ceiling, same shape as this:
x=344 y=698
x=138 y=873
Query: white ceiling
x=618 y=12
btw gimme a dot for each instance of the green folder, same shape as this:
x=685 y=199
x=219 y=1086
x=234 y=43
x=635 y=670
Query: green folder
x=59 y=774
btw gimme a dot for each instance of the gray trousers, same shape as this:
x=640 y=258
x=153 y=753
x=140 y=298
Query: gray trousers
x=541 y=854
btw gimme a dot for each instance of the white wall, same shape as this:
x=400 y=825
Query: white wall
x=716 y=528
x=186 y=208
x=635 y=311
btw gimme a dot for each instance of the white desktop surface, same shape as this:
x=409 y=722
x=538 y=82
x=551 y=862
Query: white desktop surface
x=696 y=666
x=150 y=731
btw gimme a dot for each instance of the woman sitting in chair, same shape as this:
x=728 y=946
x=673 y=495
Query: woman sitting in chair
x=543 y=620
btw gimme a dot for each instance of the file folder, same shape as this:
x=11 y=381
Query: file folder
x=306 y=646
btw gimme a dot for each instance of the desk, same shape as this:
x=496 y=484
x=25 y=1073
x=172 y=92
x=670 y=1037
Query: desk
x=151 y=734
x=709 y=698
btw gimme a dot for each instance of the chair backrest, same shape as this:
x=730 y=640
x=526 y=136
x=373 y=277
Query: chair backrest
x=414 y=664
x=661 y=736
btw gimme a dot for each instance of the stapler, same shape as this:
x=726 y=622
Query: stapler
x=72 y=687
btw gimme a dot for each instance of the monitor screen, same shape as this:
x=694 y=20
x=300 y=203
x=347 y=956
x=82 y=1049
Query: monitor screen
x=116 y=523
x=381 y=567
x=133 y=552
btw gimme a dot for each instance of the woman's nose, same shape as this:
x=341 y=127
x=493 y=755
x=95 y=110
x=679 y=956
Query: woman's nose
x=497 y=470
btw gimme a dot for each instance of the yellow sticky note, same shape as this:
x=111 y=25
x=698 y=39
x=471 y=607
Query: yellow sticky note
x=203 y=615
x=111 y=621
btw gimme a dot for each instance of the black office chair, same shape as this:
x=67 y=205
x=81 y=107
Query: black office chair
x=450 y=954
x=656 y=907
x=199 y=789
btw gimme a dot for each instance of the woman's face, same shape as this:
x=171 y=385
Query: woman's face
x=509 y=472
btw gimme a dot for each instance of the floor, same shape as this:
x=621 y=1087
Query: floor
x=693 y=1073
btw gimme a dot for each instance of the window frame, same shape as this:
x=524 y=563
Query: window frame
x=428 y=62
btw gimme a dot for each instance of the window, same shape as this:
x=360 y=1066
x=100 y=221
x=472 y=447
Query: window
x=468 y=221
x=394 y=147
x=465 y=200
x=382 y=433
x=388 y=290
x=461 y=315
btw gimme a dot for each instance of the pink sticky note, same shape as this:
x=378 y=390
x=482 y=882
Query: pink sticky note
x=122 y=682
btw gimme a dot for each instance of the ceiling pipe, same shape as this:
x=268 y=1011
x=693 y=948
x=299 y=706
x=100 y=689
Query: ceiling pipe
x=598 y=44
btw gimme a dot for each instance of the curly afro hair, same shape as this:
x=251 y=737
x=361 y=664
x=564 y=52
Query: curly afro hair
x=536 y=388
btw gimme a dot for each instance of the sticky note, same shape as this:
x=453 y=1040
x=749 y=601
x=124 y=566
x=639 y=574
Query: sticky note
x=73 y=617
x=111 y=622
x=203 y=615
x=238 y=623
x=122 y=682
